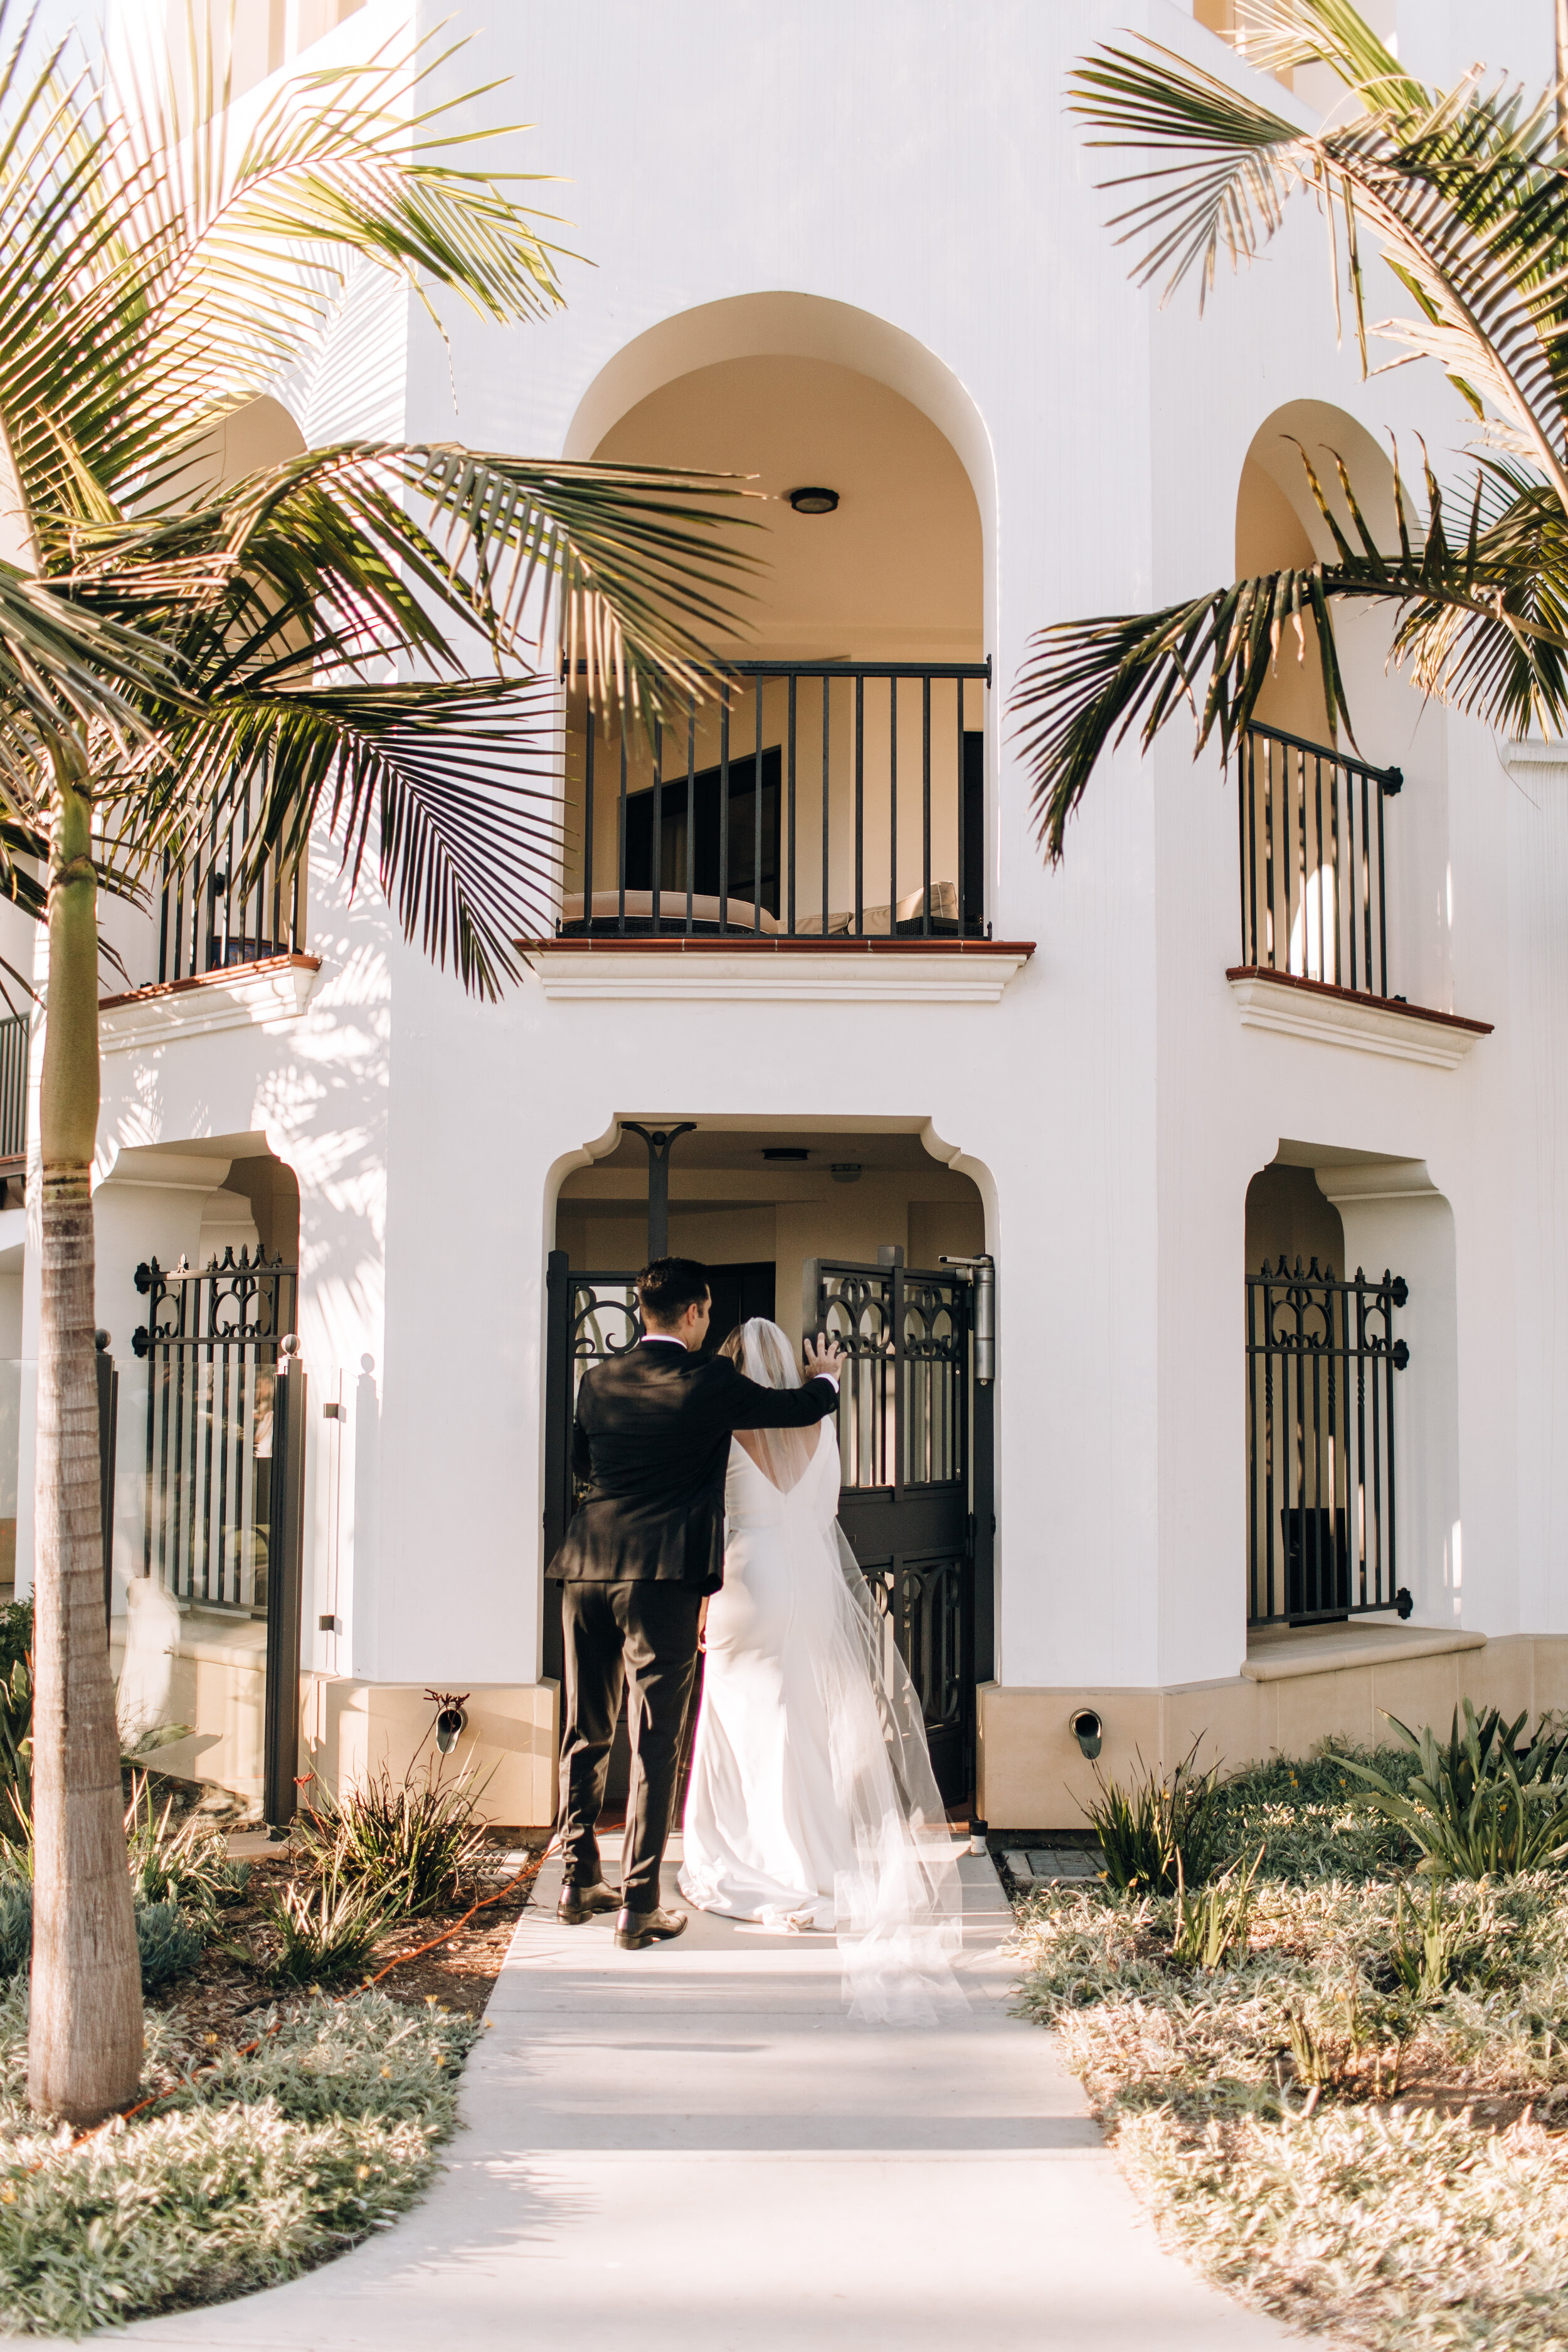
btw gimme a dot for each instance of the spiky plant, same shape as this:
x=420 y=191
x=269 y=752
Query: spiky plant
x=1465 y=194
x=364 y=632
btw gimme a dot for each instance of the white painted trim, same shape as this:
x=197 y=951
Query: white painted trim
x=1367 y=1026
x=1332 y=1650
x=1532 y=754
x=238 y=999
x=707 y=977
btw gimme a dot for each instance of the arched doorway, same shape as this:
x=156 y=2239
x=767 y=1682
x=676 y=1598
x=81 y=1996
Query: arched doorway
x=865 y=1233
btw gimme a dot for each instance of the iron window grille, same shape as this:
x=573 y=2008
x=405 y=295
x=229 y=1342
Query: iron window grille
x=1321 y=1357
x=213 y=1337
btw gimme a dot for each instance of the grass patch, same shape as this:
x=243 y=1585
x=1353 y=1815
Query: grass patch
x=264 y=2168
x=1353 y=2108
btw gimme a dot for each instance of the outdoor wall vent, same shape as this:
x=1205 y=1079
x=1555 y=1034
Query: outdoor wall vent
x=814 y=499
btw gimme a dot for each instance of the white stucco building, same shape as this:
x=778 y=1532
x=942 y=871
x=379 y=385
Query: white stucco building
x=861 y=250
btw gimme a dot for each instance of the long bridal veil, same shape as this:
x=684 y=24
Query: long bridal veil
x=898 y=1906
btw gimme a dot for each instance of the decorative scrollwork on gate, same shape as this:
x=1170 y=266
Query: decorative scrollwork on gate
x=922 y=1603
x=605 y=1321
x=243 y=1300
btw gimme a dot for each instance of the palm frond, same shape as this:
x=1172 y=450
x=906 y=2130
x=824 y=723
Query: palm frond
x=1236 y=163
x=1281 y=35
x=327 y=559
x=1480 y=620
x=155 y=274
x=452 y=783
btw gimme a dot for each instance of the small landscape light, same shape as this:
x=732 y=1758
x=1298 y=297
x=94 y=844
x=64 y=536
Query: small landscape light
x=814 y=499
x=1087 y=1730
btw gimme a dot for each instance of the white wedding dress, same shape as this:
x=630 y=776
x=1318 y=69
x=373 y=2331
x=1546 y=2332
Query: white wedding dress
x=811 y=1802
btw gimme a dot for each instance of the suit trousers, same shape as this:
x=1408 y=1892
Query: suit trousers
x=641 y=1636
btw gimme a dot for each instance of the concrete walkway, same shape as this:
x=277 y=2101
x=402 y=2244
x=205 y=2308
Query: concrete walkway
x=689 y=2149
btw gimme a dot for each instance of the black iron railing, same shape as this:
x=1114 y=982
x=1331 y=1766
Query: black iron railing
x=1313 y=891
x=208 y=919
x=827 y=800
x=14 y=1046
x=1323 y=1525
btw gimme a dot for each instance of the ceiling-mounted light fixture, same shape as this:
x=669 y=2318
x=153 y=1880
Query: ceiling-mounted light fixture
x=844 y=1172
x=784 y=1151
x=814 y=499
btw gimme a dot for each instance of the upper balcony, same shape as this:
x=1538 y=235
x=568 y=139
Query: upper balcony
x=1314 y=859
x=809 y=810
x=804 y=800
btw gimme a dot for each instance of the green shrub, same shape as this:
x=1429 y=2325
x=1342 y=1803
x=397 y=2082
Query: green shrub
x=15 y=1925
x=1475 y=1808
x=185 y=1863
x=1211 y=1924
x=415 y=1843
x=324 y=1931
x=16 y=1722
x=166 y=1939
x=168 y=1942
x=1160 y=1834
x=260 y=2168
x=1304 y=1812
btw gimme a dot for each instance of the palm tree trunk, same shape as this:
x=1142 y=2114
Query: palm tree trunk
x=85 y=2041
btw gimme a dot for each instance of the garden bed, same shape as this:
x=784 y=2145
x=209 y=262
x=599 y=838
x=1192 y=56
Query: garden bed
x=308 y=2008
x=1357 y=2116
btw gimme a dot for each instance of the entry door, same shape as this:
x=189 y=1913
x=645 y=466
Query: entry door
x=907 y=1415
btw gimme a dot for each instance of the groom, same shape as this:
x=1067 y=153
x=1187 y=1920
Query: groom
x=643 y=1552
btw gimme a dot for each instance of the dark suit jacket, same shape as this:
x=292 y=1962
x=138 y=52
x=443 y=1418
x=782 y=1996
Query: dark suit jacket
x=652 y=1434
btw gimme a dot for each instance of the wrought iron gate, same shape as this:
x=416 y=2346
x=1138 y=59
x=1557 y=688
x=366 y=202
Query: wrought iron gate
x=914 y=1433
x=1322 y=1524
x=915 y=1501
x=226 y=1428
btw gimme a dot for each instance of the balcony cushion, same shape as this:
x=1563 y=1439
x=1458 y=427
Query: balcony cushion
x=879 y=922
x=706 y=912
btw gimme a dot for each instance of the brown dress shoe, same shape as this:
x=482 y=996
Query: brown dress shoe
x=580 y=1903
x=636 y=1929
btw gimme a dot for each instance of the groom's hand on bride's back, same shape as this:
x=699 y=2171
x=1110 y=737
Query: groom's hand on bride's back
x=823 y=1358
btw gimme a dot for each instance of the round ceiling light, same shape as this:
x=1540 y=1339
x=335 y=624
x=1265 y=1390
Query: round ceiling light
x=814 y=501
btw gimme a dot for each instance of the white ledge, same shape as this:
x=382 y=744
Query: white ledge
x=1275 y=1657
x=1367 y=1025
x=975 y=974
x=248 y=996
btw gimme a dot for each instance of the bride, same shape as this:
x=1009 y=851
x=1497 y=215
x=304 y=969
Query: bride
x=812 y=1802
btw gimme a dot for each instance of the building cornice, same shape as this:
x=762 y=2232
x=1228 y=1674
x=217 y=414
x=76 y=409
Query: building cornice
x=244 y=996
x=1325 y=1015
x=775 y=971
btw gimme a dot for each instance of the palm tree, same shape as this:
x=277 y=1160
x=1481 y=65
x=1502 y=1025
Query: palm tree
x=1465 y=194
x=360 y=631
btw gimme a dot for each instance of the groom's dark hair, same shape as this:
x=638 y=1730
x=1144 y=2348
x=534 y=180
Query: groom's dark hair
x=667 y=1287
